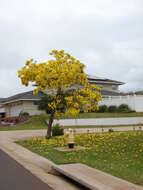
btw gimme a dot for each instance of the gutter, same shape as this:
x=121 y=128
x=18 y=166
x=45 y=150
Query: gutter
x=8 y=102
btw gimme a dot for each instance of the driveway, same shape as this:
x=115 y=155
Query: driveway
x=14 y=177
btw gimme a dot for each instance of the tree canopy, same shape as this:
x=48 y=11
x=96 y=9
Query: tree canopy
x=63 y=78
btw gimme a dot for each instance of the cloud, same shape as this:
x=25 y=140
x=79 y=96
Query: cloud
x=106 y=35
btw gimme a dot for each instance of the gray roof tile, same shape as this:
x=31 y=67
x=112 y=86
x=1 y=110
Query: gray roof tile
x=24 y=96
x=100 y=80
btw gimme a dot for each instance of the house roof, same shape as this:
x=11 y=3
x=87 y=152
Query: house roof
x=92 y=79
x=99 y=80
x=24 y=96
x=29 y=96
x=2 y=100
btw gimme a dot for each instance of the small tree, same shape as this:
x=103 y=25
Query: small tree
x=64 y=81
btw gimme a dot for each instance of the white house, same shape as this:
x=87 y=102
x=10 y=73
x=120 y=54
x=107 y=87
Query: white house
x=23 y=102
x=112 y=96
x=108 y=86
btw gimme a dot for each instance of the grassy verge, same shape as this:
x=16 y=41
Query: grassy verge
x=117 y=153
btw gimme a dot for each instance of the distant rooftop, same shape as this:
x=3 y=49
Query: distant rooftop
x=24 y=96
x=97 y=80
x=29 y=96
x=94 y=77
x=2 y=100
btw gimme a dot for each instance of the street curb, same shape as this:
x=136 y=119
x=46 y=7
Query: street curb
x=34 y=163
x=18 y=151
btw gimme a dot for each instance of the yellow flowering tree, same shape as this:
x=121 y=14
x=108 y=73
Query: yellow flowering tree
x=63 y=79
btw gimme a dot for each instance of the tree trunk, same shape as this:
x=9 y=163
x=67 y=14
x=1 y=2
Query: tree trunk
x=49 y=130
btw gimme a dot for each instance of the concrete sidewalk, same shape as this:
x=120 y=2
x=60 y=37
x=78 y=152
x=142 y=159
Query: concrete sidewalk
x=95 y=179
x=101 y=121
x=105 y=129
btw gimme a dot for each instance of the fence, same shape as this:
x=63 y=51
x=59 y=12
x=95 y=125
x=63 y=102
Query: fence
x=135 y=102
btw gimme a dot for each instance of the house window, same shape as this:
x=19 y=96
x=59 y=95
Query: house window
x=100 y=85
x=114 y=87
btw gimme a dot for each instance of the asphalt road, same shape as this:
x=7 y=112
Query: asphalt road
x=15 y=177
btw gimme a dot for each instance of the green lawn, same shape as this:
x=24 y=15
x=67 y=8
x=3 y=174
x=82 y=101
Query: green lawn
x=35 y=122
x=117 y=153
x=38 y=122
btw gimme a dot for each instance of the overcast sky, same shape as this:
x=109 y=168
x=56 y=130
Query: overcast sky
x=107 y=35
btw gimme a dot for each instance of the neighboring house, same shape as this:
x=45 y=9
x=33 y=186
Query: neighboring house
x=25 y=102
x=112 y=96
x=108 y=87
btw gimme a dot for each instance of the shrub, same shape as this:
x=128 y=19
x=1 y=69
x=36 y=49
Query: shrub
x=110 y=130
x=57 y=130
x=24 y=114
x=124 y=108
x=103 y=109
x=16 y=120
x=112 y=109
x=81 y=110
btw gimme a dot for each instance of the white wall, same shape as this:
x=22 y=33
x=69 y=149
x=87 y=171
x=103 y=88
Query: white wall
x=2 y=110
x=109 y=87
x=135 y=102
x=31 y=108
x=14 y=109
